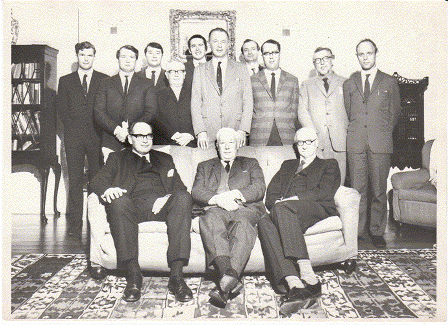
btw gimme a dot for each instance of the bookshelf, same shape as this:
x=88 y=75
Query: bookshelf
x=33 y=114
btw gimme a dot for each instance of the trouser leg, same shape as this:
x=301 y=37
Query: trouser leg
x=94 y=158
x=358 y=167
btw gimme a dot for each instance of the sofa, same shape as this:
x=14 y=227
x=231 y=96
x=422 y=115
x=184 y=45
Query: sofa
x=414 y=198
x=333 y=240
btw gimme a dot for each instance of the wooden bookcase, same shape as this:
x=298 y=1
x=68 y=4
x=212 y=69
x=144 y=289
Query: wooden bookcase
x=33 y=113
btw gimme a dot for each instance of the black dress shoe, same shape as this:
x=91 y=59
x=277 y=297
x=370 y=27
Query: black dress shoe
x=378 y=241
x=179 y=289
x=315 y=290
x=132 y=292
x=218 y=298
x=97 y=272
x=295 y=300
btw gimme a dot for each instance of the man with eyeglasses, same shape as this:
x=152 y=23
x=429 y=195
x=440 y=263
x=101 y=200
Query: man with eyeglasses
x=276 y=99
x=321 y=106
x=221 y=94
x=372 y=102
x=121 y=99
x=299 y=195
x=172 y=122
x=139 y=184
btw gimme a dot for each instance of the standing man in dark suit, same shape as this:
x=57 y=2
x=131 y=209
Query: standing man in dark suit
x=299 y=195
x=250 y=50
x=75 y=101
x=172 y=123
x=197 y=45
x=154 y=71
x=372 y=102
x=232 y=189
x=139 y=184
x=122 y=99
x=276 y=99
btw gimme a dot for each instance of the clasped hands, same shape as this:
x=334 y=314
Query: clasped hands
x=121 y=132
x=182 y=139
x=228 y=200
x=203 y=139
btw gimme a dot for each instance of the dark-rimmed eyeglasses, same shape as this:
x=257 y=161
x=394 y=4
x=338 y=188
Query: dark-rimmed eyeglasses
x=271 y=53
x=176 y=71
x=140 y=137
x=325 y=59
x=307 y=142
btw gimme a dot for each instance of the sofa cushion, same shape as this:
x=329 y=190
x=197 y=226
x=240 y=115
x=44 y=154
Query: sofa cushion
x=427 y=193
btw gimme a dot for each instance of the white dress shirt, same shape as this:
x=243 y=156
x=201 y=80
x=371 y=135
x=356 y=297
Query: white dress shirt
x=372 y=76
x=140 y=155
x=268 y=74
x=223 y=66
x=149 y=71
x=122 y=75
x=81 y=74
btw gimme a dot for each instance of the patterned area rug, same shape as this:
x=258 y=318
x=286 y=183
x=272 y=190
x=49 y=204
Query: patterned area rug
x=386 y=284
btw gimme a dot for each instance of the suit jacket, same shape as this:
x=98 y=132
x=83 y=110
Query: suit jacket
x=245 y=175
x=76 y=110
x=122 y=166
x=325 y=112
x=112 y=107
x=283 y=109
x=189 y=70
x=371 y=122
x=260 y=67
x=323 y=179
x=173 y=115
x=162 y=82
x=211 y=111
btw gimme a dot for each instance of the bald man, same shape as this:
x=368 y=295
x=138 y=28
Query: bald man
x=299 y=195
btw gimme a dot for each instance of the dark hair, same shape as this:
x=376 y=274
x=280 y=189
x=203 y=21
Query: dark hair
x=83 y=46
x=367 y=40
x=323 y=49
x=247 y=40
x=271 y=41
x=218 y=29
x=138 y=120
x=154 y=45
x=128 y=47
x=197 y=36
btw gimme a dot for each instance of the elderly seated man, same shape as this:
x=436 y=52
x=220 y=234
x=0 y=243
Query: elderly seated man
x=299 y=195
x=231 y=188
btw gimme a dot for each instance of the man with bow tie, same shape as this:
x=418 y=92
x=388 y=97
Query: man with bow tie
x=231 y=190
x=299 y=195
x=139 y=184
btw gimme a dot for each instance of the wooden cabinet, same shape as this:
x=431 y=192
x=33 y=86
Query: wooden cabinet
x=33 y=113
x=409 y=136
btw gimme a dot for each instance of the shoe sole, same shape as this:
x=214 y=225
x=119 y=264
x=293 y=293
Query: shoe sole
x=216 y=301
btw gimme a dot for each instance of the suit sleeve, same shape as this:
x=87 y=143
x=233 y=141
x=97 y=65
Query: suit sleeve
x=347 y=99
x=327 y=186
x=303 y=112
x=150 y=105
x=160 y=120
x=395 y=101
x=178 y=185
x=100 y=109
x=274 y=191
x=104 y=177
x=62 y=102
x=200 y=192
x=197 y=102
x=248 y=101
x=255 y=191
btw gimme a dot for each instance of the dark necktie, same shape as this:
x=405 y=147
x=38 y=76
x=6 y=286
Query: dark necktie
x=253 y=71
x=326 y=85
x=84 y=85
x=153 y=77
x=227 y=168
x=300 y=167
x=126 y=84
x=219 y=77
x=367 y=87
x=273 y=85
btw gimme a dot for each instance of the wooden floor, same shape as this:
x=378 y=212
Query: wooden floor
x=29 y=235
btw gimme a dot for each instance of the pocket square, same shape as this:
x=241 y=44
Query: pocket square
x=170 y=173
x=245 y=171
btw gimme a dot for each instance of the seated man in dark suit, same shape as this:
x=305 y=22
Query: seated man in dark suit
x=172 y=122
x=232 y=189
x=299 y=195
x=139 y=184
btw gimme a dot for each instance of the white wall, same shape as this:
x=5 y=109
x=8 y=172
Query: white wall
x=411 y=37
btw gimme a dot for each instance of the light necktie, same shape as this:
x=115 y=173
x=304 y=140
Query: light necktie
x=367 y=87
x=326 y=85
x=219 y=77
x=153 y=77
x=227 y=168
x=273 y=85
x=84 y=85
x=126 y=84
x=300 y=167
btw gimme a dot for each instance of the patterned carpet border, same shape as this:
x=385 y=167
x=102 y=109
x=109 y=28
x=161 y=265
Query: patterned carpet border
x=387 y=284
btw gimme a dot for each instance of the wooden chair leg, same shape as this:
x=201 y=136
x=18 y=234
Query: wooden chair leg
x=43 y=192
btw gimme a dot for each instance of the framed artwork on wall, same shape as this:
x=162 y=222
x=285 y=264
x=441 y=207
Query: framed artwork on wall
x=186 y=23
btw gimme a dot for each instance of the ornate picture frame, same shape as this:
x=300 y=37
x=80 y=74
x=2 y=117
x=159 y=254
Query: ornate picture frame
x=185 y=23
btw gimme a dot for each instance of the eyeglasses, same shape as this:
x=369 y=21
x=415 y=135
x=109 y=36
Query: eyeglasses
x=140 y=137
x=307 y=142
x=271 y=53
x=325 y=59
x=176 y=71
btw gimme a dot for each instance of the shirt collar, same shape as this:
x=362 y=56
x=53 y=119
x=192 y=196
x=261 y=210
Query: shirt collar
x=197 y=62
x=81 y=73
x=123 y=74
x=308 y=161
x=253 y=64
x=268 y=73
x=329 y=76
x=223 y=162
x=372 y=73
x=223 y=61
x=140 y=155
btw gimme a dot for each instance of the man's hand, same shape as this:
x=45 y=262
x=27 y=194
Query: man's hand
x=182 y=139
x=159 y=203
x=287 y=199
x=241 y=141
x=227 y=203
x=203 y=140
x=112 y=193
x=121 y=133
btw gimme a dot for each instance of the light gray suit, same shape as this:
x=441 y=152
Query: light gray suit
x=211 y=111
x=325 y=112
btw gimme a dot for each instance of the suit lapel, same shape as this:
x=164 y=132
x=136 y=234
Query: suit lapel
x=117 y=83
x=281 y=82
x=320 y=85
x=264 y=82
x=236 y=168
x=94 y=82
x=211 y=74
x=289 y=175
x=77 y=83
x=161 y=80
x=216 y=170
x=378 y=78
x=230 y=74
x=133 y=84
x=358 y=82
x=333 y=84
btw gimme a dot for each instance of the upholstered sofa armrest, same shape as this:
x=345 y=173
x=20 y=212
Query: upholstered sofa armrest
x=410 y=179
x=347 y=202
x=97 y=216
